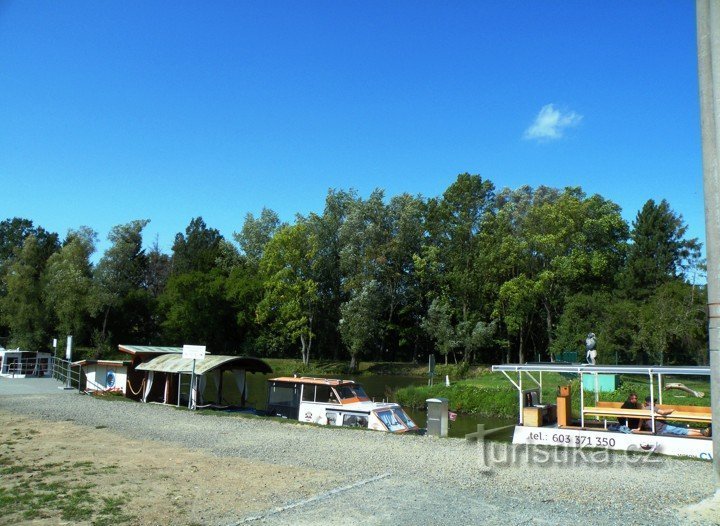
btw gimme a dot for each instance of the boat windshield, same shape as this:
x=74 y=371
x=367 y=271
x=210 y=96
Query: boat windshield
x=391 y=420
x=351 y=391
x=402 y=416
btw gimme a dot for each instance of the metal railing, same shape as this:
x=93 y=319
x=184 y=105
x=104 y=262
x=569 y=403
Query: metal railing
x=64 y=371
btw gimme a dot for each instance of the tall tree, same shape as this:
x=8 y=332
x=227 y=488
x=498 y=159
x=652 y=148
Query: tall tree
x=455 y=223
x=22 y=309
x=256 y=233
x=68 y=283
x=439 y=326
x=562 y=242
x=121 y=271
x=290 y=297
x=659 y=251
x=196 y=250
x=360 y=327
x=196 y=310
x=13 y=233
x=326 y=229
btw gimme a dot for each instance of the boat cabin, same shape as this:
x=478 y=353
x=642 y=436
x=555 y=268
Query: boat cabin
x=15 y=363
x=334 y=402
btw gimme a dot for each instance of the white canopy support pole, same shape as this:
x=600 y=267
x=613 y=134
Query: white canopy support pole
x=652 y=403
x=597 y=389
x=660 y=388
x=179 y=387
x=541 y=389
x=520 y=397
x=582 y=402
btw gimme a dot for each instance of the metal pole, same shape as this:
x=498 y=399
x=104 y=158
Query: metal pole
x=708 y=41
x=68 y=357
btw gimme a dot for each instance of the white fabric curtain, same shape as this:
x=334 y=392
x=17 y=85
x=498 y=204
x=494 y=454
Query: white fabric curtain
x=193 y=391
x=239 y=375
x=148 y=386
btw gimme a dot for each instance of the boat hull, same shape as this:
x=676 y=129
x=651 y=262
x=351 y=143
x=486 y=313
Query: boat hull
x=589 y=438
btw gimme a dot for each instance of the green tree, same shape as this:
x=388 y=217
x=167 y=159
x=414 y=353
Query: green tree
x=439 y=326
x=196 y=250
x=13 y=233
x=456 y=220
x=121 y=271
x=290 y=296
x=327 y=230
x=256 y=233
x=196 y=310
x=659 y=251
x=671 y=323
x=68 y=283
x=562 y=242
x=516 y=308
x=359 y=325
x=22 y=309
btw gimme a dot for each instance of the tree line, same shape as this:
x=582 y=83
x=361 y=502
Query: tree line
x=474 y=275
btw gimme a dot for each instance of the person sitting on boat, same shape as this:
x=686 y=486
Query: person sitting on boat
x=631 y=403
x=662 y=428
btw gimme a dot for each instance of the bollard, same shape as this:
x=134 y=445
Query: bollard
x=437 y=417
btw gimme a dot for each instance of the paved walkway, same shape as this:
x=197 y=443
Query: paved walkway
x=31 y=386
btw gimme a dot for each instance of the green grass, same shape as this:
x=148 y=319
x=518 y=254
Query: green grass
x=32 y=491
x=287 y=367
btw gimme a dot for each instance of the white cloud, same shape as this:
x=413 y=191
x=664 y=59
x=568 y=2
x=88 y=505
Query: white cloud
x=551 y=123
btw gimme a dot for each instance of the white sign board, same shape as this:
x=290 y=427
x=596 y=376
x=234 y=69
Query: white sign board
x=194 y=352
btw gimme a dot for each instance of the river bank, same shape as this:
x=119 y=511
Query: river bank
x=294 y=471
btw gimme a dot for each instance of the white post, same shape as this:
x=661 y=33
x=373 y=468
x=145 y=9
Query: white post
x=521 y=397
x=68 y=357
x=582 y=402
x=652 y=403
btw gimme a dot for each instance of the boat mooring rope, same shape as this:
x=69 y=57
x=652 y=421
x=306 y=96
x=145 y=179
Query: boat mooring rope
x=142 y=385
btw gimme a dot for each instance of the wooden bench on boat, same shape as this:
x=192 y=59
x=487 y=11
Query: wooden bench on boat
x=680 y=413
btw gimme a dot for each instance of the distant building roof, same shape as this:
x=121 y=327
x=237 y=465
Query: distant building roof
x=172 y=363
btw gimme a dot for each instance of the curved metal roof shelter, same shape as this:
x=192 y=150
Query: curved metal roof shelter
x=175 y=363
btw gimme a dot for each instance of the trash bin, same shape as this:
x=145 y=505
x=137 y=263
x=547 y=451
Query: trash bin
x=437 y=417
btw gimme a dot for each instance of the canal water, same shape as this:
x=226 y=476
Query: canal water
x=379 y=388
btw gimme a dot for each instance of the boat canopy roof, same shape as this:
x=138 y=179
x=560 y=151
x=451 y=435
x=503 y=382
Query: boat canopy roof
x=609 y=369
x=175 y=363
x=313 y=381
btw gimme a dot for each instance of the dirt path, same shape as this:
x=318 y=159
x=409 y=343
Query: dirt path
x=98 y=478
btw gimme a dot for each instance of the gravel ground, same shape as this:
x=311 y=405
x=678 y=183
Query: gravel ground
x=411 y=479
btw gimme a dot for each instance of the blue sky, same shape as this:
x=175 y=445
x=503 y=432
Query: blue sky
x=114 y=111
